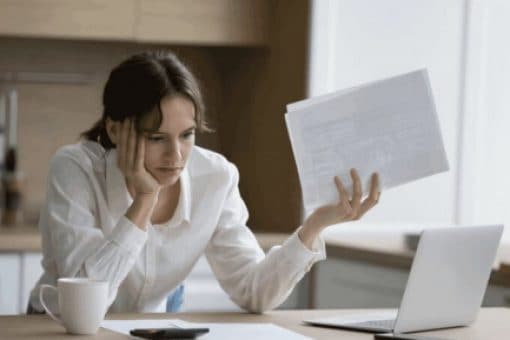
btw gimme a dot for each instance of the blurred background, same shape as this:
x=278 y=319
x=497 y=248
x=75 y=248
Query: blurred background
x=252 y=57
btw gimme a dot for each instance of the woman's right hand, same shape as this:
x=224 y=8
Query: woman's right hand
x=130 y=160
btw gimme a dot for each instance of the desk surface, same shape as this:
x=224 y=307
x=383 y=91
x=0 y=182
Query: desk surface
x=492 y=323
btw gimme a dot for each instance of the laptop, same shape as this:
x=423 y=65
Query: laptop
x=445 y=288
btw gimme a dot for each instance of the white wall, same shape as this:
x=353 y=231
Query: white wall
x=487 y=137
x=355 y=41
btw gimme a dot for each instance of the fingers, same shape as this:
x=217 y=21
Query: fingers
x=356 y=194
x=122 y=144
x=374 y=186
x=131 y=146
x=140 y=153
x=344 y=195
x=373 y=197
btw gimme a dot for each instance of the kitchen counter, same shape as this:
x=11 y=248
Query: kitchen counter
x=26 y=238
x=23 y=238
x=380 y=248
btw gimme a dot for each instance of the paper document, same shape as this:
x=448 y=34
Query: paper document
x=388 y=126
x=223 y=331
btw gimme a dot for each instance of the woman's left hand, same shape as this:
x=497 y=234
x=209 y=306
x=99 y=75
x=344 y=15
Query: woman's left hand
x=347 y=208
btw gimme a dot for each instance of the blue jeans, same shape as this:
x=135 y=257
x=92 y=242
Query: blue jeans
x=175 y=299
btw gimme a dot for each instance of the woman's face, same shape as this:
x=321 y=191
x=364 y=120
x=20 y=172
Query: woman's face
x=167 y=150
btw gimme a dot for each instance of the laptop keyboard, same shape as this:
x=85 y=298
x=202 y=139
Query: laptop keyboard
x=384 y=324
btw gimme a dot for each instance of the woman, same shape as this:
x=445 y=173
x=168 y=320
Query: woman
x=136 y=203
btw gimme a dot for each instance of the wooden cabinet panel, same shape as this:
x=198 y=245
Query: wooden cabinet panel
x=90 y=19
x=229 y=22
x=210 y=22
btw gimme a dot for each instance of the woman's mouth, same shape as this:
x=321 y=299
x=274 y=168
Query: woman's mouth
x=170 y=169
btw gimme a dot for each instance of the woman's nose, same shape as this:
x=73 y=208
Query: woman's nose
x=173 y=152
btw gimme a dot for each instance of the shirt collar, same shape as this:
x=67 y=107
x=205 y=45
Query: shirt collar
x=119 y=199
x=183 y=209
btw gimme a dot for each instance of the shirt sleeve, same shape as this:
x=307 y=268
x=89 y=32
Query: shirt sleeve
x=75 y=243
x=255 y=281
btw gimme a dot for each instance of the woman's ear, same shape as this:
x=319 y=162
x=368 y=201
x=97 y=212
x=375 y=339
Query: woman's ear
x=113 y=130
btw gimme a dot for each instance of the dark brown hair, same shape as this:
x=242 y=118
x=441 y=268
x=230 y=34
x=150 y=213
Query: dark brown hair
x=136 y=87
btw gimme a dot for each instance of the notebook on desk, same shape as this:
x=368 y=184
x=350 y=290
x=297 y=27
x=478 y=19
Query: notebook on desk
x=445 y=287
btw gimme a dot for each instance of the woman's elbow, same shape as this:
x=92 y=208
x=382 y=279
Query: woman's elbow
x=257 y=307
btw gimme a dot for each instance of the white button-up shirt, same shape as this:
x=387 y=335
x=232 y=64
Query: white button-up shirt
x=85 y=233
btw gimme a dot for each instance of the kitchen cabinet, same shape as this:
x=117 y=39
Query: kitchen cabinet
x=342 y=283
x=86 y=19
x=222 y=22
x=31 y=270
x=211 y=22
x=9 y=283
x=19 y=271
x=350 y=284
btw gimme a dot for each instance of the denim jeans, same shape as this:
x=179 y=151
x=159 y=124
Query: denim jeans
x=175 y=299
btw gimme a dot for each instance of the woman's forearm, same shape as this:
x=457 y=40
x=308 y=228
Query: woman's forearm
x=308 y=233
x=141 y=210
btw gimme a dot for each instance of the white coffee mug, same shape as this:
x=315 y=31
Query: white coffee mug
x=82 y=303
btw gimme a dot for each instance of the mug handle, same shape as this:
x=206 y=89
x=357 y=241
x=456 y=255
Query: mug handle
x=41 y=299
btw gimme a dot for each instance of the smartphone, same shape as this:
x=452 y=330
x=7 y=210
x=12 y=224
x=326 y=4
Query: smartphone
x=400 y=336
x=168 y=333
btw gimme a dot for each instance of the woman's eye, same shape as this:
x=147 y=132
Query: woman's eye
x=188 y=135
x=155 y=138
